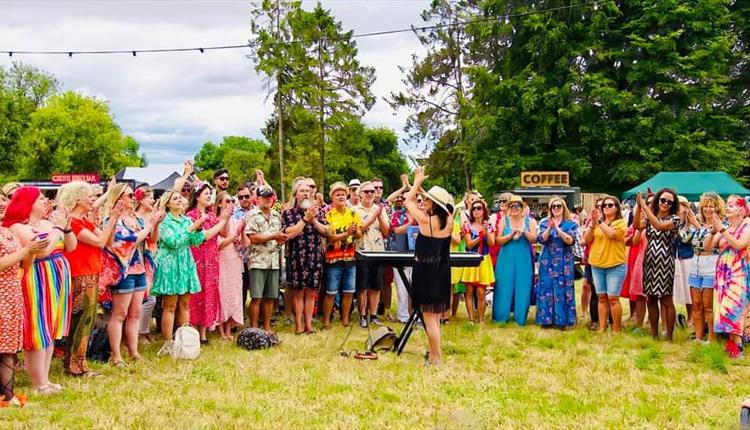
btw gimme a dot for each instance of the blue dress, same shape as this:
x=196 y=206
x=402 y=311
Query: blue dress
x=514 y=275
x=555 y=290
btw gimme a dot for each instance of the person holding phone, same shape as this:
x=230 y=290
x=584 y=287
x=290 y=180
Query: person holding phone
x=45 y=284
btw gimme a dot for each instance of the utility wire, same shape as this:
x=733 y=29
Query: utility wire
x=134 y=52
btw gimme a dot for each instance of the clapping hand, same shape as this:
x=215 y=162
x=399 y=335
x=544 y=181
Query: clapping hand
x=36 y=247
x=718 y=225
x=117 y=211
x=280 y=237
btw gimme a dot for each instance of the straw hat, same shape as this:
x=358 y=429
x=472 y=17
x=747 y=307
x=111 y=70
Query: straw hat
x=441 y=198
x=337 y=186
x=683 y=200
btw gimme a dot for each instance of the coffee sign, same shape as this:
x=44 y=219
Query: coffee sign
x=64 y=178
x=544 y=179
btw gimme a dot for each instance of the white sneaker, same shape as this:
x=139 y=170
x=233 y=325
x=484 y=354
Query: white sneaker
x=166 y=349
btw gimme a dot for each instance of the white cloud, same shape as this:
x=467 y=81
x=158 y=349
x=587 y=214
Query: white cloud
x=173 y=103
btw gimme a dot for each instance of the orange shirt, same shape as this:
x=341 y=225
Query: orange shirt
x=85 y=259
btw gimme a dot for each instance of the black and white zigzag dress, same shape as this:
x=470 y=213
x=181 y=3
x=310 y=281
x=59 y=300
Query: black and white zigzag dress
x=658 y=263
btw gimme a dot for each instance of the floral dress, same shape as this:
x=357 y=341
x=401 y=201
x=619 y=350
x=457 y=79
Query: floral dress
x=305 y=252
x=177 y=274
x=11 y=297
x=555 y=290
x=205 y=306
x=730 y=287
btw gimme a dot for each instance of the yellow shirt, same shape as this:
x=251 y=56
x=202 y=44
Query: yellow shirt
x=606 y=252
x=338 y=222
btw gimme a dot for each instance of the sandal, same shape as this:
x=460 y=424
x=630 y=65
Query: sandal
x=120 y=363
x=44 y=390
x=311 y=331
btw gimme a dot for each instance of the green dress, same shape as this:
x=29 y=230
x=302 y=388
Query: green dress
x=176 y=273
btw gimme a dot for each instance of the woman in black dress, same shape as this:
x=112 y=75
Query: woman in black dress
x=431 y=277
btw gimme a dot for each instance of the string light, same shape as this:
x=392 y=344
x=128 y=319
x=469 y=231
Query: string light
x=505 y=19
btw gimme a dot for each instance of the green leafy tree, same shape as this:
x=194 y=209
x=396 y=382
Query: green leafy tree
x=239 y=155
x=75 y=133
x=23 y=89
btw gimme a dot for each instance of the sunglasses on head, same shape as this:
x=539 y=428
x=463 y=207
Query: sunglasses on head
x=667 y=202
x=608 y=205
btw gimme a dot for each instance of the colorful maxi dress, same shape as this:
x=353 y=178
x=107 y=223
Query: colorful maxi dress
x=555 y=290
x=176 y=275
x=730 y=287
x=205 y=306
x=46 y=297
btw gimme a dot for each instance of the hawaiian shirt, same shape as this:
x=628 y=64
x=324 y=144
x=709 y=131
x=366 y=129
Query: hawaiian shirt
x=263 y=255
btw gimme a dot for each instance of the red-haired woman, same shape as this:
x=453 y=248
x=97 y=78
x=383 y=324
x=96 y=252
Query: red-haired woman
x=730 y=284
x=46 y=284
x=12 y=257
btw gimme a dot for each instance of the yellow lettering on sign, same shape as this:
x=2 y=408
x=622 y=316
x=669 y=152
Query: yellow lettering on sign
x=545 y=179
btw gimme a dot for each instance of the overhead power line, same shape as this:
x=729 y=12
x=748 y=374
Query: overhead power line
x=202 y=49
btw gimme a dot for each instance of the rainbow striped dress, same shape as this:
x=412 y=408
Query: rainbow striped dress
x=46 y=299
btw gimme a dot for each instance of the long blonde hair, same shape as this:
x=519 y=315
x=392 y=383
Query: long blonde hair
x=566 y=212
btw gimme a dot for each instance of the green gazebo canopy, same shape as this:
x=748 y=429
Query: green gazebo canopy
x=691 y=184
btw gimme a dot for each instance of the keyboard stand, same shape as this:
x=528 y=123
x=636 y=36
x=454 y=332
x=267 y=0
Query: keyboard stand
x=416 y=315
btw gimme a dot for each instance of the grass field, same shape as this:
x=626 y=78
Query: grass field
x=493 y=377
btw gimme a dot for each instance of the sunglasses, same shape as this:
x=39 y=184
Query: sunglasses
x=502 y=202
x=378 y=188
x=477 y=208
x=515 y=206
x=244 y=196
x=368 y=191
x=128 y=195
x=556 y=206
x=608 y=205
x=599 y=206
x=223 y=178
x=667 y=202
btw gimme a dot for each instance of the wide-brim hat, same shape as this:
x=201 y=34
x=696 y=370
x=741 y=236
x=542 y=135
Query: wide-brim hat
x=337 y=186
x=440 y=197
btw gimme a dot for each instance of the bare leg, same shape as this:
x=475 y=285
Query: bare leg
x=432 y=327
x=373 y=299
x=133 y=324
x=299 y=305
x=697 y=312
x=470 y=302
x=289 y=310
x=327 y=310
x=667 y=304
x=267 y=305
x=603 y=306
x=36 y=364
x=708 y=312
x=585 y=297
x=309 y=306
x=362 y=303
x=455 y=302
x=254 y=311
x=481 y=303
x=120 y=305
x=616 y=309
x=653 y=315
x=169 y=306
x=346 y=306
x=183 y=310
x=640 y=311
x=202 y=332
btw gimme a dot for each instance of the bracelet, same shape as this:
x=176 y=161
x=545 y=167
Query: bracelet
x=723 y=229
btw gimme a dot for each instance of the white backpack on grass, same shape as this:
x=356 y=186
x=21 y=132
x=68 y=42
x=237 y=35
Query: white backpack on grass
x=187 y=343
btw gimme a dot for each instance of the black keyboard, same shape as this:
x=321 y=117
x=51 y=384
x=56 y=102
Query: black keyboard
x=406 y=259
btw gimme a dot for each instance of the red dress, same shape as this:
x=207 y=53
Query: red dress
x=205 y=306
x=632 y=285
x=11 y=297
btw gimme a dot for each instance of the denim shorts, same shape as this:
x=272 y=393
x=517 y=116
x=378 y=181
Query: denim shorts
x=131 y=284
x=702 y=271
x=340 y=276
x=609 y=281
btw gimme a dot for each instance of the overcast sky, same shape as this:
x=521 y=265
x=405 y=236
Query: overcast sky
x=173 y=103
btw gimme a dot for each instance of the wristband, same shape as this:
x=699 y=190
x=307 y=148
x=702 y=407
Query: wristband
x=723 y=229
x=599 y=222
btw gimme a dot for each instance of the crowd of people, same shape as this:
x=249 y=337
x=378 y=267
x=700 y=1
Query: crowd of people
x=197 y=253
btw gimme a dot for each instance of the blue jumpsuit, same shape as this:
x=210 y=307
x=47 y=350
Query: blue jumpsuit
x=514 y=276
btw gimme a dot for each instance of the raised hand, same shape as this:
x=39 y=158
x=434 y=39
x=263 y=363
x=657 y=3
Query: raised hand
x=419 y=176
x=187 y=169
x=117 y=211
x=405 y=180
